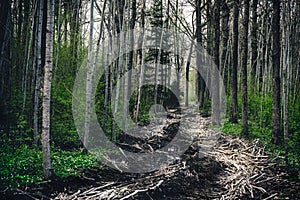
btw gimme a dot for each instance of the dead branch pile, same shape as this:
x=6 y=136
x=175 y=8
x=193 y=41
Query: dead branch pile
x=249 y=172
x=125 y=190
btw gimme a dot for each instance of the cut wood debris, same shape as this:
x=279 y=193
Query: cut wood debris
x=228 y=168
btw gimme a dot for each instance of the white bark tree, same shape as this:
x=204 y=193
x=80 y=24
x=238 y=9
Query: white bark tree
x=89 y=81
x=47 y=91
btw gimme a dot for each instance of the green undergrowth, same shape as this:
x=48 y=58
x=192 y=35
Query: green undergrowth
x=23 y=165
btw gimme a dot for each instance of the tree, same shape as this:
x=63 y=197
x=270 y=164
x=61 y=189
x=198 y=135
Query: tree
x=234 y=102
x=47 y=91
x=254 y=43
x=216 y=90
x=285 y=75
x=244 y=70
x=5 y=10
x=140 y=63
x=200 y=81
x=276 y=118
x=38 y=72
x=225 y=40
x=127 y=85
x=89 y=83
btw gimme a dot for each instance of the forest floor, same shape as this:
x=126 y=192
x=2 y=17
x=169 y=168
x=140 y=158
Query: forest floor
x=231 y=169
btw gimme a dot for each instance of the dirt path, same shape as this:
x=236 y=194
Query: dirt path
x=226 y=168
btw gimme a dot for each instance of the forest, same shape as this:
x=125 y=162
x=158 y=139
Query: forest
x=149 y=99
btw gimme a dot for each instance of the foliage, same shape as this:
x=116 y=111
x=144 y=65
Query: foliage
x=64 y=133
x=70 y=162
x=20 y=166
x=23 y=165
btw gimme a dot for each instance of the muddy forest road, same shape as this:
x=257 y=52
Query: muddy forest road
x=212 y=168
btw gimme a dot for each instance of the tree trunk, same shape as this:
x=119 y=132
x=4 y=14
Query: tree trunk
x=57 y=54
x=38 y=74
x=127 y=91
x=4 y=11
x=209 y=27
x=200 y=81
x=276 y=129
x=26 y=60
x=285 y=75
x=141 y=62
x=254 y=46
x=89 y=81
x=107 y=82
x=244 y=71
x=47 y=91
x=187 y=71
x=234 y=102
x=225 y=40
x=215 y=82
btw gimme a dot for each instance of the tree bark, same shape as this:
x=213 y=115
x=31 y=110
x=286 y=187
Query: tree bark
x=225 y=40
x=276 y=118
x=47 y=91
x=89 y=81
x=187 y=71
x=254 y=44
x=26 y=60
x=233 y=118
x=200 y=81
x=38 y=74
x=244 y=71
x=216 y=86
x=285 y=75
x=140 y=63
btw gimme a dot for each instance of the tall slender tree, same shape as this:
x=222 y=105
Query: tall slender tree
x=47 y=91
x=89 y=81
x=244 y=69
x=38 y=72
x=200 y=81
x=254 y=44
x=140 y=62
x=285 y=55
x=225 y=40
x=234 y=102
x=216 y=89
x=276 y=118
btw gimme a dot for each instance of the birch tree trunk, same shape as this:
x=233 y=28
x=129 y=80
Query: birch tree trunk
x=127 y=69
x=47 y=91
x=127 y=85
x=89 y=81
x=140 y=63
x=285 y=75
x=107 y=82
x=121 y=42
